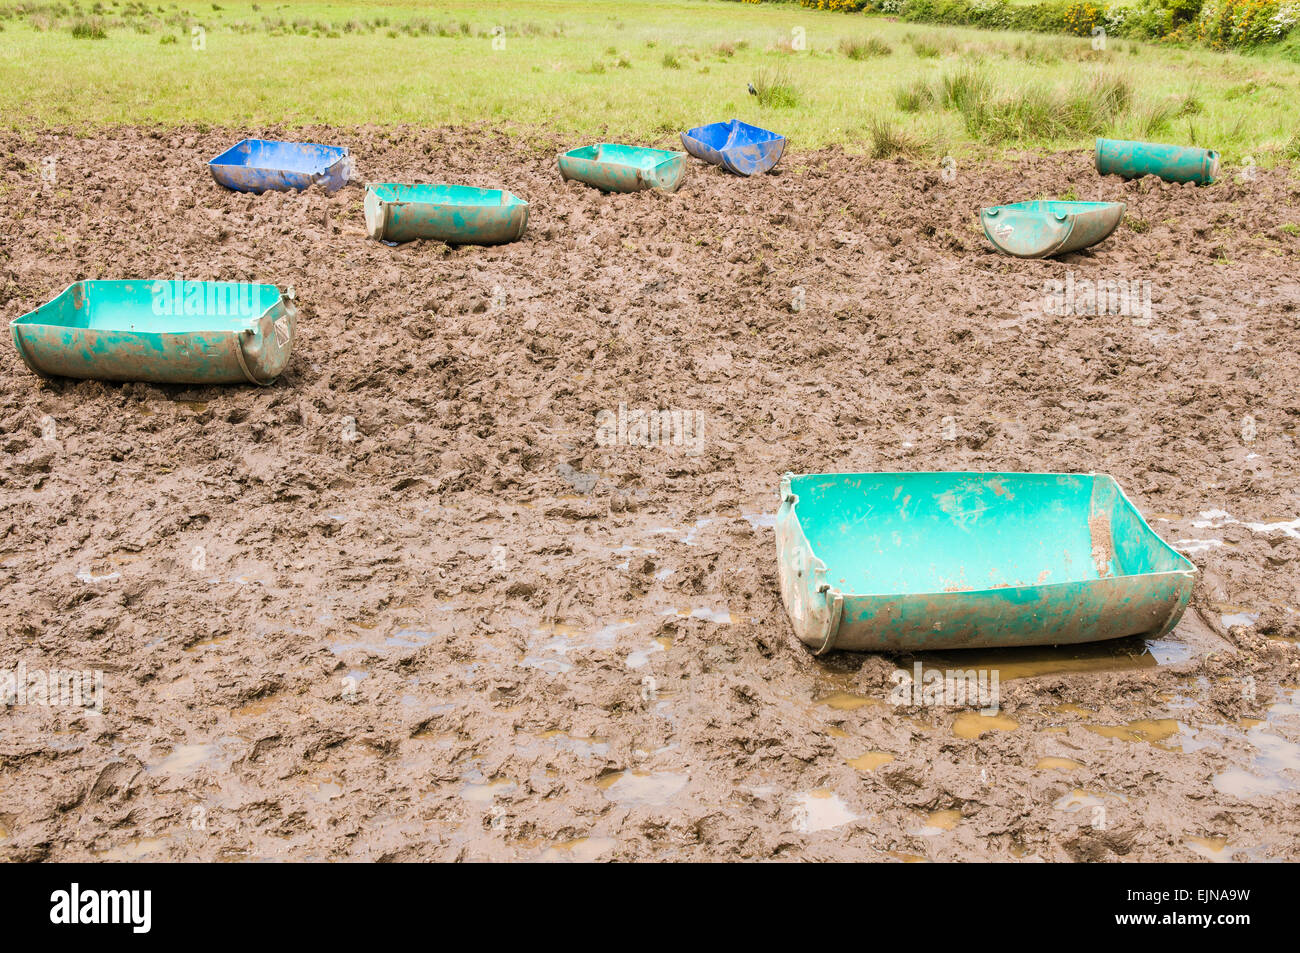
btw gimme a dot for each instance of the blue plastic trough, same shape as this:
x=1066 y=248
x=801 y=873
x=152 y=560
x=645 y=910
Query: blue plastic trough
x=263 y=165
x=736 y=146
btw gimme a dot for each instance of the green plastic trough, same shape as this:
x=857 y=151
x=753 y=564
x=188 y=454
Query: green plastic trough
x=166 y=332
x=617 y=168
x=455 y=214
x=1132 y=160
x=1040 y=229
x=916 y=561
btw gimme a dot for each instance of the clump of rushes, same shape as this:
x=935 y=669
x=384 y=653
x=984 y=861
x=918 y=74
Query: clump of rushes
x=725 y=50
x=914 y=96
x=964 y=88
x=89 y=28
x=1155 y=119
x=1088 y=107
x=863 y=48
x=671 y=61
x=775 y=89
x=887 y=140
x=1189 y=104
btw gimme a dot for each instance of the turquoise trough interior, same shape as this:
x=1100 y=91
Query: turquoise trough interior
x=145 y=305
x=466 y=195
x=638 y=157
x=940 y=532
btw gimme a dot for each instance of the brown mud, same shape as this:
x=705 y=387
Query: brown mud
x=403 y=604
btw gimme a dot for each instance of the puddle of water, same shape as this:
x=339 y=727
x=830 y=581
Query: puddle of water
x=971 y=724
x=937 y=822
x=1069 y=708
x=1190 y=547
x=322 y=792
x=1113 y=655
x=551 y=655
x=185 y=759
x=645 y=788
x=1274 y=769
x=846 y=701
x=871 y=760
x=1056 y=764
x=688 y=535
x=1213 y=849
x=409 y=638
x=1238 y=782
x=909 y=858
x=204 y=643
x=640 y=658
x=582 y=850
x=760 y=520
x=820 y=810
x=1152 y=731
x=133 y=849
x=1215 y=519
x=258 y=706
x=488 y=792
x=86 y=576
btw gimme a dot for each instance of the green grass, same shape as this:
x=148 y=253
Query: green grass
x=637 y=71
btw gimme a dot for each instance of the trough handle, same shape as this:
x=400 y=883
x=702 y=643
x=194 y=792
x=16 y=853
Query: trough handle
x=835 y=605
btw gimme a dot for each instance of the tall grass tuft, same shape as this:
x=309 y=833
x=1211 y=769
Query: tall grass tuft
x=1088 y=107
x=775 y=89
x=863 y=48
x=914 y=96
x=887 y=140
x=964 y=88
x=89 y=28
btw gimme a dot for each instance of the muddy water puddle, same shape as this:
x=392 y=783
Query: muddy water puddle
x=1274 y=767
x=186 y=759
x=642 y=788
x=550 y=646
x=580 y=850
x=939 y=822
x=1115 y=655
x=819 y=810
x=870 y=760
x=973 y=724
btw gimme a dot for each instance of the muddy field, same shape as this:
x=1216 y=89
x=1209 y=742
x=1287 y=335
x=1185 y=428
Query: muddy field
x=403 y=604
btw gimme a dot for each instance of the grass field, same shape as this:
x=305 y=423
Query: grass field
x=640 y=71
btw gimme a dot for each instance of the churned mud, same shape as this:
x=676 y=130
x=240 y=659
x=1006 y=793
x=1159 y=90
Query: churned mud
x=420 y=600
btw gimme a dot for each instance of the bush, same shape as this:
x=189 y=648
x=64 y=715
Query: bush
x=1217 y=23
